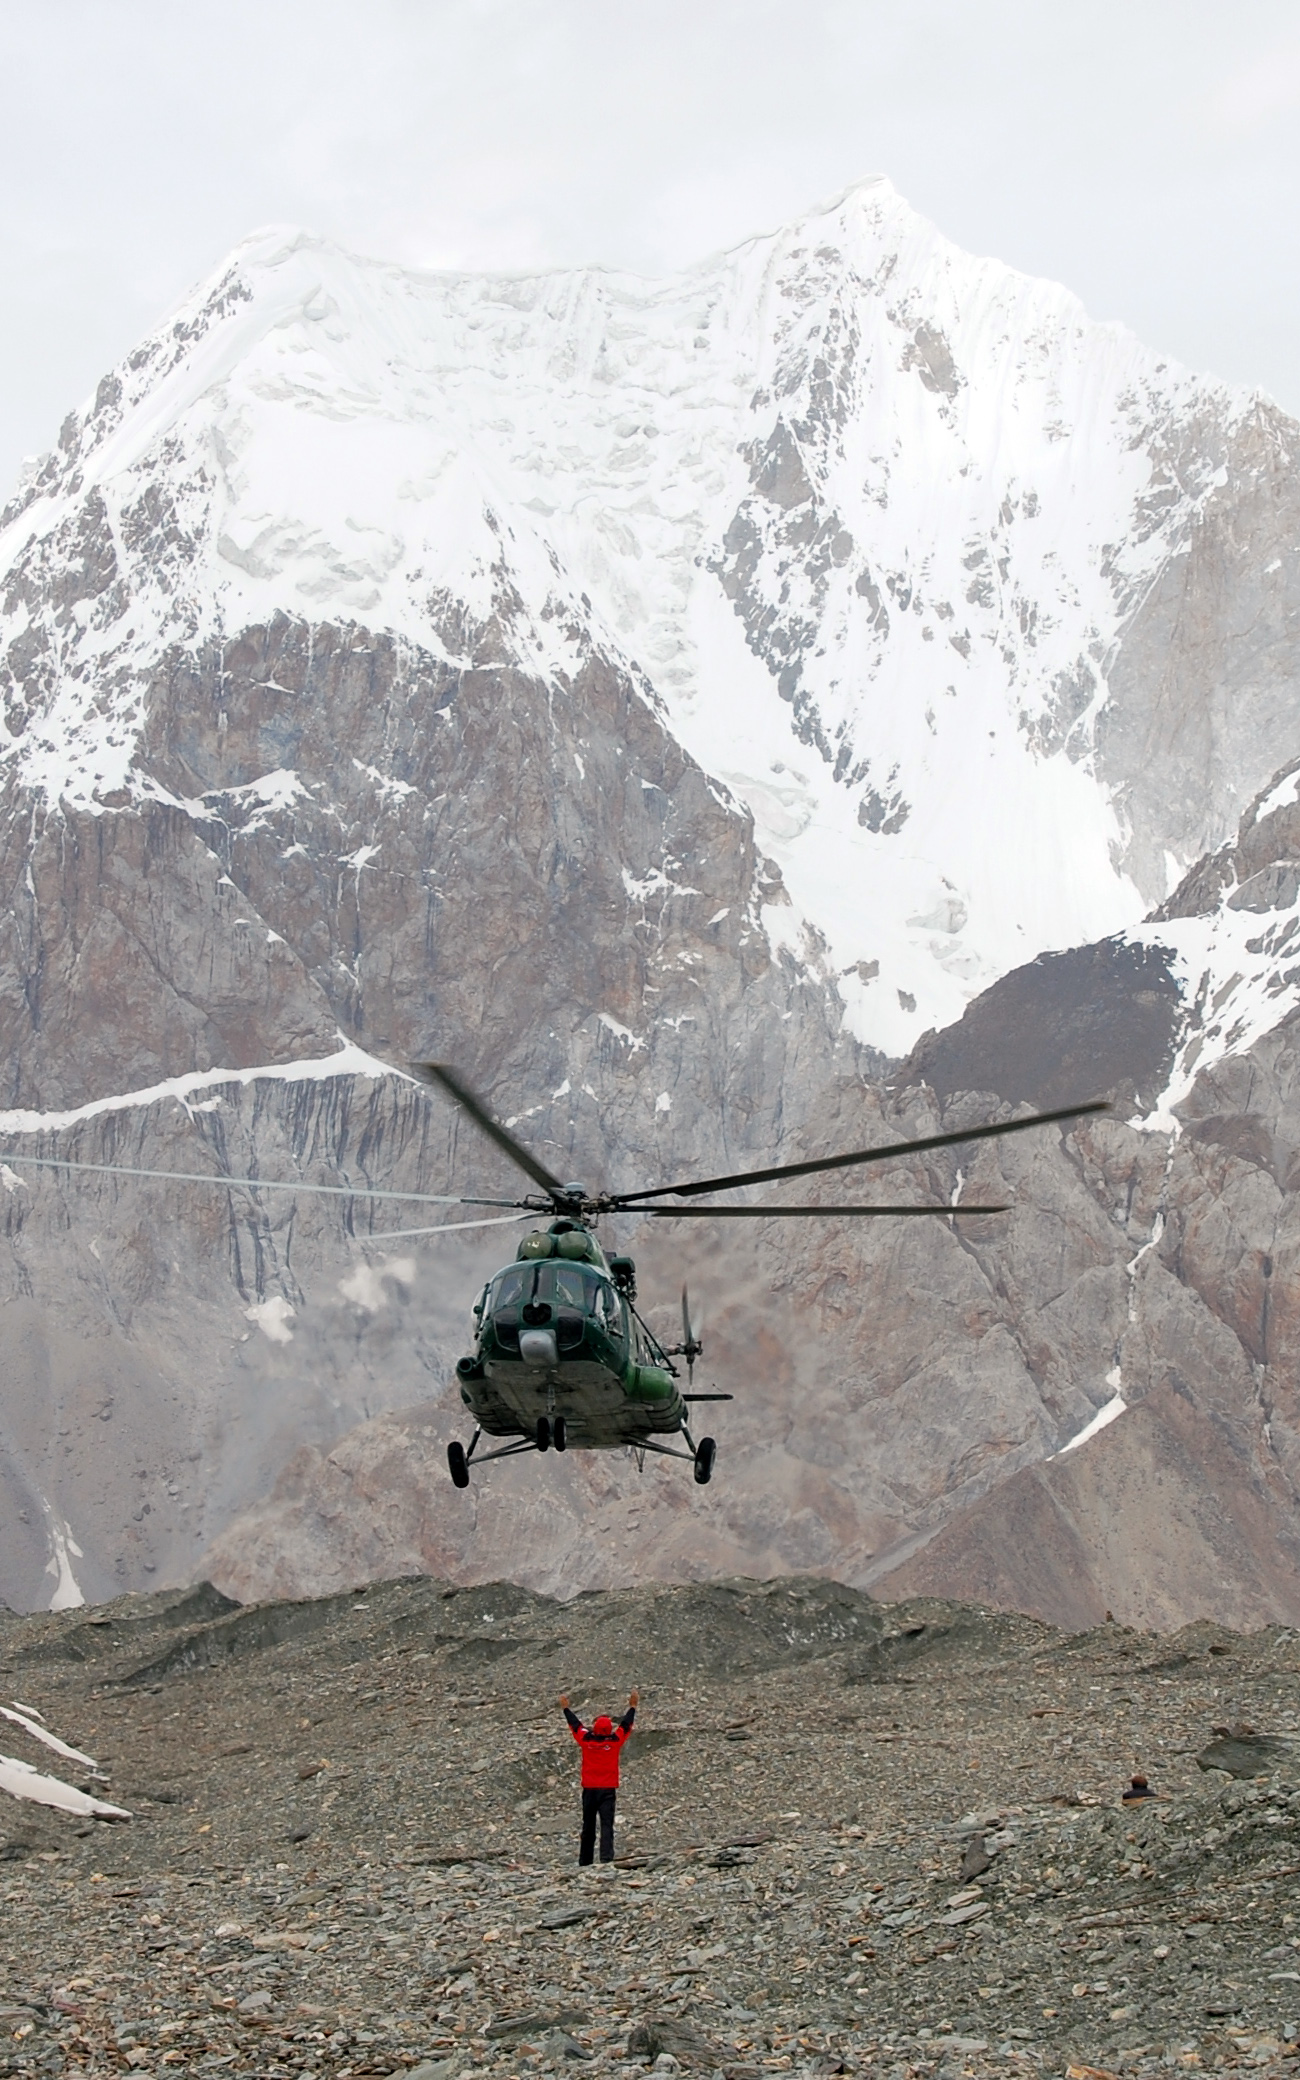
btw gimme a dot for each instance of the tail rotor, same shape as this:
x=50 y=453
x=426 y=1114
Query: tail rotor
x=692 y=1346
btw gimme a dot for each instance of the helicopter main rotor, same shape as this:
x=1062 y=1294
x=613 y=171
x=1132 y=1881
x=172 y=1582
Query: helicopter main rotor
x=576 y=1203
x=572 y=1200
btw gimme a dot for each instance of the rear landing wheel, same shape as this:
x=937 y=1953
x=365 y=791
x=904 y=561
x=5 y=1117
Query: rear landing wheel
x=459 y=1465
x=560 y=1433
x=543 y=1433
x=706 y=1451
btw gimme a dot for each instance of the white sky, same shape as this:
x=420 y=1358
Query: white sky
x=1145 y=152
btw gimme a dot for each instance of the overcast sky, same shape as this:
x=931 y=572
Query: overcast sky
x=1145 y=152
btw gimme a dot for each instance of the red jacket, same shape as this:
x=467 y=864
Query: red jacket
x=600 y=1750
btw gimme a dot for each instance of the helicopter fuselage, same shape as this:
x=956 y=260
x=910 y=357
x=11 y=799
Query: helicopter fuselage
x=559 y=1338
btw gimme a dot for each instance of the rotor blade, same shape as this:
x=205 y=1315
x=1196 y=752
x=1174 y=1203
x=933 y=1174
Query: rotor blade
x=500 y=1220
x=862 y=1155
x=826 y=1213
x=257 y=1184
x=437 y=1074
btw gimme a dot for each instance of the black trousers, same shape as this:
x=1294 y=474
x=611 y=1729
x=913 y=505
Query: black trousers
x=597 y=1805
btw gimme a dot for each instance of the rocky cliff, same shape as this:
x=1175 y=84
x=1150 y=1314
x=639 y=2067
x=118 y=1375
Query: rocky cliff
x=666 y=700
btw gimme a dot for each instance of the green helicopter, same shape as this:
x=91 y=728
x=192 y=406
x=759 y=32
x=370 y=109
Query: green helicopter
x=562 y=1360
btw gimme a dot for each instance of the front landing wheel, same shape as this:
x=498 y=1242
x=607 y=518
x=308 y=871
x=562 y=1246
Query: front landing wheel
x=459 y=1465
x=559 y=1433
x=706 y=1451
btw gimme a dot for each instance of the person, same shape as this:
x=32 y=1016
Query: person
x=600 y=1744
x=1138 y=1790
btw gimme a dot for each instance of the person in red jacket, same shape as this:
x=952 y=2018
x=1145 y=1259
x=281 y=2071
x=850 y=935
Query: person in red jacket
x=600 y=1743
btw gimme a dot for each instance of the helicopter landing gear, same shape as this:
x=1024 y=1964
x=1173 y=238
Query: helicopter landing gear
x=544 y=1434
x=559 y=1433
x=458 y=1463
x=706 y=1451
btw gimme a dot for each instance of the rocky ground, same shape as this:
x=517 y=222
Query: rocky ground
x=854 y=1837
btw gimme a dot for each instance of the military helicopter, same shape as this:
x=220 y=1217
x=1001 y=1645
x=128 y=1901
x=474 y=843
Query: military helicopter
x=562 y=1359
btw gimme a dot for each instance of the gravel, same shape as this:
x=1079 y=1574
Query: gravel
x=354 y=1832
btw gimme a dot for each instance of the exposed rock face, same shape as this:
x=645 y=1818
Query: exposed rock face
x=566 y=679
x=1187 y=1500
x=1202 y=691
x=1154 y=1277
x=1101 y=1018
x=516 y=901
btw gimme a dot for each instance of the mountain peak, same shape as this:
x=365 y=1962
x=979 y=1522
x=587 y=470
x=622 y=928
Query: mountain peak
x=871 y=519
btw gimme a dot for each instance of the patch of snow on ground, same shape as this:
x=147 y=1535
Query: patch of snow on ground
x=66 y=1594
x=621 y=1032
x=1234 y=966
x=1106 y=1414
x=350 y=1060
x=20 y=1780
x=272 y=1317
x=366 y=1284
x=47 y=1739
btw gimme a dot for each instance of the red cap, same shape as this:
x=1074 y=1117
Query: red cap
x=602 y=1725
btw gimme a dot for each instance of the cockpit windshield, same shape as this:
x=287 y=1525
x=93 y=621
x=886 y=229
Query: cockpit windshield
x=576 y=1288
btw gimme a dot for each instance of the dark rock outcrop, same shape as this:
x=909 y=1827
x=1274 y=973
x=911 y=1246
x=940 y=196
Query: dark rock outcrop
x=1097 y=1020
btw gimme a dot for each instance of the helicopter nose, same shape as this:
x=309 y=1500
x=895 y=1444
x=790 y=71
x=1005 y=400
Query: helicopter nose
x=538 y=1347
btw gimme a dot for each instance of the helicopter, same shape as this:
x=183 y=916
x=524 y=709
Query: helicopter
x=562 y=1359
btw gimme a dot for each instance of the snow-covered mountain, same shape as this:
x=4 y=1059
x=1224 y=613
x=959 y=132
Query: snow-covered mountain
x=906 y=552
x=677 y=702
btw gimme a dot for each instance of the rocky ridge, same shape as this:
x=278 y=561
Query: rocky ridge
x=1199 y=1478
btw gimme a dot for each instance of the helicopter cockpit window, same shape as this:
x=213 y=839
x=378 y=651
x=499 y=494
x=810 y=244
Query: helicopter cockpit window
x=570 y=1289
x=510 y=1287
x=567 y=1290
